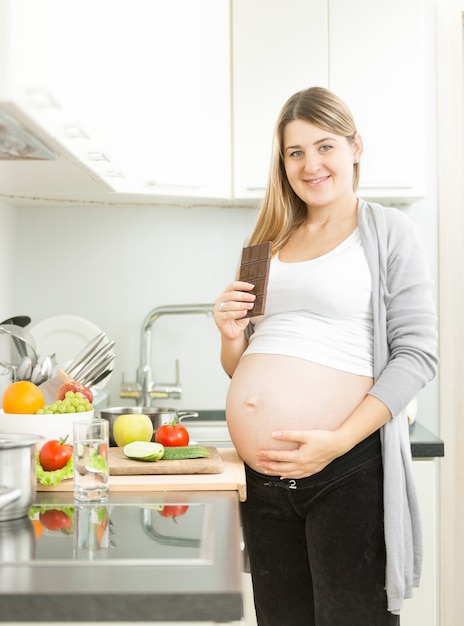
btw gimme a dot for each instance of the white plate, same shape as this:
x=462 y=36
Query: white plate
x=65 y=336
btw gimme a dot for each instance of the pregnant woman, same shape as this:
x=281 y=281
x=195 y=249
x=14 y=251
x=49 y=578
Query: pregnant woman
x=320 y=383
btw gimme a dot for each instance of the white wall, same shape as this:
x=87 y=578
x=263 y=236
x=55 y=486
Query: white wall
x=7 y=269
x=112 y=265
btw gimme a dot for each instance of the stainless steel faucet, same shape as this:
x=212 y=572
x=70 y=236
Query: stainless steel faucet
x=146 y=389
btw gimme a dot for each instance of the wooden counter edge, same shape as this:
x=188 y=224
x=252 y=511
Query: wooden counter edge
x=231 y=479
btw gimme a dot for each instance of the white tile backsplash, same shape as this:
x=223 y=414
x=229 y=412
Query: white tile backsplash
x=112 y=265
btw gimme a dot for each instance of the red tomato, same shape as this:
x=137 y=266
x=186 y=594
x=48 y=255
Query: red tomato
x=54 y=454
x=171 y=435
x=173 y=510
x=53 y=519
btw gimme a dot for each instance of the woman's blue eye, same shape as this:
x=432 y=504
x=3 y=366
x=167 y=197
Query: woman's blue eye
x=296 y=153
x=326 y=148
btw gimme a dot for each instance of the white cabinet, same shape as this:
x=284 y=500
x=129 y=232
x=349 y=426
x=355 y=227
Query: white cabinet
x=371 y=53
x=377 y=64
x=276 y=52
x=194 y=87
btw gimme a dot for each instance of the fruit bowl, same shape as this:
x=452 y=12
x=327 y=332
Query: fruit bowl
x=48 y=426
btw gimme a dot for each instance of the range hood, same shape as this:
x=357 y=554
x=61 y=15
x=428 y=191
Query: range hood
x=46 y=160
x=19 y=144
x=34 y=164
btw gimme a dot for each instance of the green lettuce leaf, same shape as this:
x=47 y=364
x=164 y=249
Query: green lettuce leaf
x=97 y=462
x=53 y=478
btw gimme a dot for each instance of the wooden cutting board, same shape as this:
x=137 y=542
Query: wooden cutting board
x=120 y=465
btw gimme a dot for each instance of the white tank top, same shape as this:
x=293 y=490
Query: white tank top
x=320 y=310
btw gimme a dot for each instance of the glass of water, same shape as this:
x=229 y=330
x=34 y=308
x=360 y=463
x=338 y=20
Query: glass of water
x=91 y=468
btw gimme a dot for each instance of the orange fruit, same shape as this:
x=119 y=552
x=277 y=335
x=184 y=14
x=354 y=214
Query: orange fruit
x=22 y=397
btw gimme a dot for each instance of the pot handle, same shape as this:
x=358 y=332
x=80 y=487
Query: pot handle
x=7 y=496
x=184 y=414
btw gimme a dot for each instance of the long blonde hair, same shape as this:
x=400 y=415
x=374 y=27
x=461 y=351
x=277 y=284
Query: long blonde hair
x=282 y=211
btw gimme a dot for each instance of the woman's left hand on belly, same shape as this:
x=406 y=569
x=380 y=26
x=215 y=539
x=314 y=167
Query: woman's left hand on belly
x=317 y=448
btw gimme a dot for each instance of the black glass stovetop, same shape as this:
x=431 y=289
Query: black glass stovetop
x=145 y=532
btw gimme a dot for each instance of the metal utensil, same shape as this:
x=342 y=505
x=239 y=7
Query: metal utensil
x=90 y=361
x=24 y=370
x=42 y=371
x=46 y=368
x=23 y=341
x=94 y=367
x=19 y=320
x=84 y=362
x=10 y=367
x=35 y=374
x=94 y=373
x=86 y=352
x=20 y=346
x=98 y=379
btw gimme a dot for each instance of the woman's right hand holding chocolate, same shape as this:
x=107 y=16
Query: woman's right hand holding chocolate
x=231 y=307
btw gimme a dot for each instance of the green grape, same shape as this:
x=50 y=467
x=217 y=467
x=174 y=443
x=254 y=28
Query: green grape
x=73 y=402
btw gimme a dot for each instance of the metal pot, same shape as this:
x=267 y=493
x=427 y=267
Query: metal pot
x=17 y=475
x=158 y=416
x=17 y=540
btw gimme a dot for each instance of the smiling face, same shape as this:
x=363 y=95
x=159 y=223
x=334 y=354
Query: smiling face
x=319 y=164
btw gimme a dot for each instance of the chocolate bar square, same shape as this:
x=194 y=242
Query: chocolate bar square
x=254 y=268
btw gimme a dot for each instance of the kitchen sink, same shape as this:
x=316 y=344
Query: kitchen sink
x=208 y=432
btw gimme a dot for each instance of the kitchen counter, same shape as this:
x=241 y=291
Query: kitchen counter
x=188 y=571
x=149 y=568
x=424 y=444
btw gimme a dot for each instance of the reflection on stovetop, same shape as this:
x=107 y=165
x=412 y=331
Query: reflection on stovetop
x=148 y=533
x=124 y=561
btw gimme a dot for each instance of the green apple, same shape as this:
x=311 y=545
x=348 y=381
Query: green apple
x=132 y=427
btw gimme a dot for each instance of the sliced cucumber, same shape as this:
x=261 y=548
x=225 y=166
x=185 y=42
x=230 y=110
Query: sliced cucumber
x=151 y=451
x=179 y=453
x=143 y=450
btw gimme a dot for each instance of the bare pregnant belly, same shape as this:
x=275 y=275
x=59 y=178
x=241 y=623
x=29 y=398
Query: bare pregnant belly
x=272 y=392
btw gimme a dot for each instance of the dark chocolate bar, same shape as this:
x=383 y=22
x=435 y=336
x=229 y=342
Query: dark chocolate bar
x=254 y=268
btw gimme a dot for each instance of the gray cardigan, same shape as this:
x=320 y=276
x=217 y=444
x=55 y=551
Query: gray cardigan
x=405 y=359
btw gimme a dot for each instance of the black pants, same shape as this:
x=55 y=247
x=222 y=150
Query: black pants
x=317 y=550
